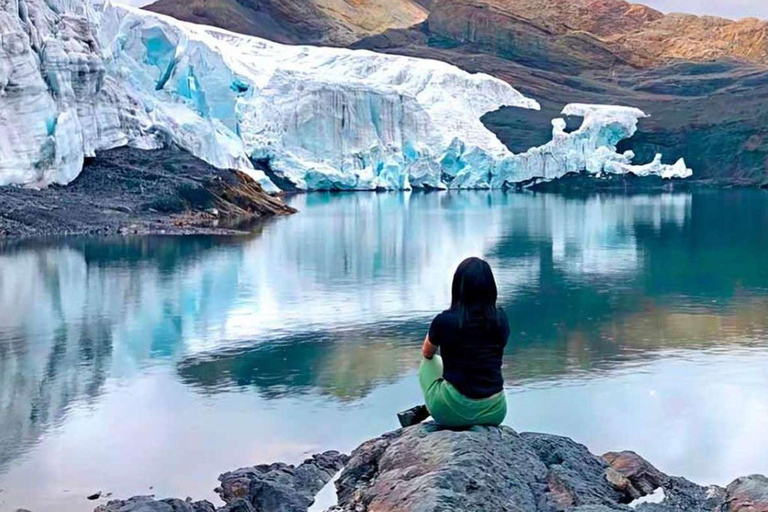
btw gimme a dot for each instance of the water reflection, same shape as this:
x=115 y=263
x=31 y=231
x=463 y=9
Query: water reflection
x=73 y=315
x=319 y=316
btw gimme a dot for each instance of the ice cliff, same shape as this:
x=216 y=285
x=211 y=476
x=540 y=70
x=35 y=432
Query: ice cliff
x=78 y=77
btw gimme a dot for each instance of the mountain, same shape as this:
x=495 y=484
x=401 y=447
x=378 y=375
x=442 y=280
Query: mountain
x=328 y=22
x=702 y=80
x=636 y=33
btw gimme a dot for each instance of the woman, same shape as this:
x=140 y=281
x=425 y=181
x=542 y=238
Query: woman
x=465 y=387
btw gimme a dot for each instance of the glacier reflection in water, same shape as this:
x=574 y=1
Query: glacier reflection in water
x=639 y=322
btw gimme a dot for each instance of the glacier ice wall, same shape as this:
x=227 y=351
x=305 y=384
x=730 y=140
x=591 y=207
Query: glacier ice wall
x=91 y=76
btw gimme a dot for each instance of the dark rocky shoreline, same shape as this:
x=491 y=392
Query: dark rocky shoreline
x=131 y=191
x=430 y=469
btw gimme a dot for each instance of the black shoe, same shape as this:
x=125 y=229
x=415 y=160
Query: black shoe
x=413 y=416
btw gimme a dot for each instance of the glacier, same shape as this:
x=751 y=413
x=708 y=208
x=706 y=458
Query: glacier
x=78 y=77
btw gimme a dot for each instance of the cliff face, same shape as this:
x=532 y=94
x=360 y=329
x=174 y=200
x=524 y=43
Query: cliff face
x=329 y=22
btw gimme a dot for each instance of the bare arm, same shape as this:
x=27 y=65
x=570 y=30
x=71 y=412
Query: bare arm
x=428 y=350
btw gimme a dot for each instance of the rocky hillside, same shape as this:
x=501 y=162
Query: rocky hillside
x=428 y=469
x=327 y=22
x=640 y=35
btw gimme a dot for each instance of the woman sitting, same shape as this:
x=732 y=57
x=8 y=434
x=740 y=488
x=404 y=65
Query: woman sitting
x=465 y=387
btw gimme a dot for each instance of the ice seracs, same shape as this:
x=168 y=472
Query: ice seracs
x=91 y=76
x=591 y=148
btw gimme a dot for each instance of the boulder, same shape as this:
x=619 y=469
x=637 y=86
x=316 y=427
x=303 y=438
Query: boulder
x=747 y=494
x=279 y=487
x=150 y=504
x=631 y=473
x=426 y=468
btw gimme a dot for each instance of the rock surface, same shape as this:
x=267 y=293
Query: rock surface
x=747 y=494
x=265 y=488
x=633 y=33
x=427 y=468
x=149 y=504
x=126 y=191
x=279 y=487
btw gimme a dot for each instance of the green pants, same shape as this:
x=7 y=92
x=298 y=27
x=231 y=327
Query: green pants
x=449 y=407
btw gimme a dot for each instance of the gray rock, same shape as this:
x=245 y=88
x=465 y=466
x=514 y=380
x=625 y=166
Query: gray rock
x=574 y=475
x=428 y=469
x=150 y=504
x=279 y=487
x=238 y=505
x=683 y=495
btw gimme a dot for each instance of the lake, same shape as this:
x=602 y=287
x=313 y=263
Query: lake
x=152 y=365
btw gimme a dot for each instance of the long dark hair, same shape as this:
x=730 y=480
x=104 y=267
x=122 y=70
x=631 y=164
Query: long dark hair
x=474 y=293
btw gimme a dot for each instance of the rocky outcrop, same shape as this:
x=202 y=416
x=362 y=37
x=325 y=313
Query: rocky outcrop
x=427 y=468
x=632 y=474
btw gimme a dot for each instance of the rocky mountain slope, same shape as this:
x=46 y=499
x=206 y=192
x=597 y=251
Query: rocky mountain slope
x=429 y=469
x=330 y=22
x=702 y=80
x=635 y=33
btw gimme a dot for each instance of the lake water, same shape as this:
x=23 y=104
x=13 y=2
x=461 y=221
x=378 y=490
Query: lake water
x=151 y=365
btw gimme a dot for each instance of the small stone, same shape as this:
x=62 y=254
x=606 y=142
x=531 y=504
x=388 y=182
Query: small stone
x=95 y=496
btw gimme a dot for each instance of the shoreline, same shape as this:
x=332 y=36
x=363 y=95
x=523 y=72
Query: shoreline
x=169 y=192
x=127 y=191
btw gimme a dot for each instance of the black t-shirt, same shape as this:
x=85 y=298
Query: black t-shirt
x=471 y=353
